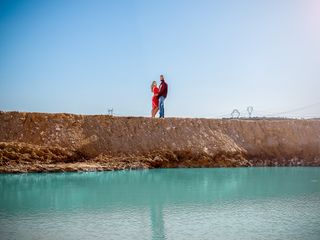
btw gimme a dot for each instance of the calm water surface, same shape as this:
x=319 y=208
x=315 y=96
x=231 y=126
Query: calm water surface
x=241 y=203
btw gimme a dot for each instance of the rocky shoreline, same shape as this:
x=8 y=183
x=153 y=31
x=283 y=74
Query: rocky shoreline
x=41 y=142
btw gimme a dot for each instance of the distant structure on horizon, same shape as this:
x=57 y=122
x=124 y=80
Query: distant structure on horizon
x=236 y=113
x=110 y=111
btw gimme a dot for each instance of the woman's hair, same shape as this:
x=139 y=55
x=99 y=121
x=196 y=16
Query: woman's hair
x=154 y=83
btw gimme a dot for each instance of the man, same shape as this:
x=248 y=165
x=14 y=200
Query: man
x=163 y=90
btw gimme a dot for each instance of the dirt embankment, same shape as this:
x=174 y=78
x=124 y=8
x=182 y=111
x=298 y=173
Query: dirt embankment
x=35 y=142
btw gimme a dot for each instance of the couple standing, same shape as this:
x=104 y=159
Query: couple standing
x=159 y=95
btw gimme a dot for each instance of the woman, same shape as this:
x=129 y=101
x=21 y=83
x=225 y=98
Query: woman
x=155 y=101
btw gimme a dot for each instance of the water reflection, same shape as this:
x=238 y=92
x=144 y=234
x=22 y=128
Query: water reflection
x=157 y=221
x=109 y=190
x=114 y=193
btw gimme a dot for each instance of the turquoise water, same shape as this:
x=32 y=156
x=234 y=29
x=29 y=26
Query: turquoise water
x=240 y=203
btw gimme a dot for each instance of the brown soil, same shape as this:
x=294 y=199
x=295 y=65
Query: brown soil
x=38 y=142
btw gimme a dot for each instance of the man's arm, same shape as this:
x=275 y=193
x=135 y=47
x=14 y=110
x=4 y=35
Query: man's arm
x=160 y=90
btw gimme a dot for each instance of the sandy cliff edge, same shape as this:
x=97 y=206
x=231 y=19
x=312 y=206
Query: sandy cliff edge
x=41 y=142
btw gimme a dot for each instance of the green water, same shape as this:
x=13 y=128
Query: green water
x=241 y=203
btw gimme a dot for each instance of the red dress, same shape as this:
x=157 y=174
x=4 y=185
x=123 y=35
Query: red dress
x=155 y=100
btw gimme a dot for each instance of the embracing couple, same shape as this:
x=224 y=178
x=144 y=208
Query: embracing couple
x=159 y=95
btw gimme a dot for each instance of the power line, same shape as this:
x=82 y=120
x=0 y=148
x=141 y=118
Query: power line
x=278 y=114
x=296 y=109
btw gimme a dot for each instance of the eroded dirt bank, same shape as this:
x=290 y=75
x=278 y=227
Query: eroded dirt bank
x=35 y=142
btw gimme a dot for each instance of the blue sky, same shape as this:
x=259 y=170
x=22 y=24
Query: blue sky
x=88 y=56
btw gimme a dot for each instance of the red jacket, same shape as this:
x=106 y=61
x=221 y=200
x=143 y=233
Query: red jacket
x=163 y=89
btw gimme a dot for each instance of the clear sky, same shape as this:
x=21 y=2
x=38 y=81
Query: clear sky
x=87 y=56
